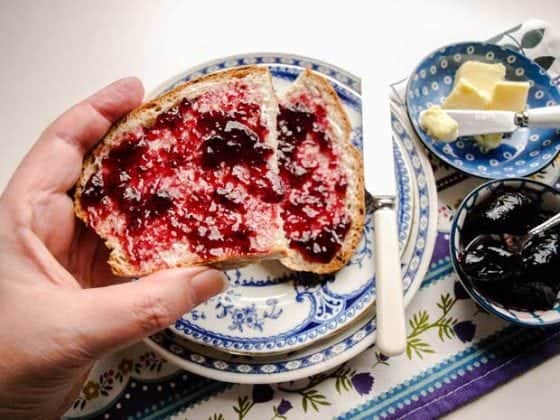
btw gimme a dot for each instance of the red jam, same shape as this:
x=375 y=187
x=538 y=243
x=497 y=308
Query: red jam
x=200 y=174
x=315 y=220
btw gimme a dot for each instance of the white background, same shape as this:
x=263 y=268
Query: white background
x=56 y=52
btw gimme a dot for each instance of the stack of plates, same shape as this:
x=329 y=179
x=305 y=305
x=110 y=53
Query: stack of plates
x=275 y=325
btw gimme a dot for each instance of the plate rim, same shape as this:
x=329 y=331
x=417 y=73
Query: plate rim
x=353 y=79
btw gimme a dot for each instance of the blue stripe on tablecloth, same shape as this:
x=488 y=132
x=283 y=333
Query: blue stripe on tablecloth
x=437 y=272
x=474 y=371
x=482 y=380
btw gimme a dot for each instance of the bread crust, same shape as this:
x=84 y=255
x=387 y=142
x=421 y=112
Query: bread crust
x=355 y=172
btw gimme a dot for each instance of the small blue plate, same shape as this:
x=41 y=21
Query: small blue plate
x=549 y=200
x=525 y=152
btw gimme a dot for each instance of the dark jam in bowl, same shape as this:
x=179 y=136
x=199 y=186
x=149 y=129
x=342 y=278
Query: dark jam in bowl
x=527 y=280
x=507 y=211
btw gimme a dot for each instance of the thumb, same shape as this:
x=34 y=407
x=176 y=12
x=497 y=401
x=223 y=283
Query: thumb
x=115 y=316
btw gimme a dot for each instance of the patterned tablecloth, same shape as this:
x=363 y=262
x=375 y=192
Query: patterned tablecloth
x=455 y=351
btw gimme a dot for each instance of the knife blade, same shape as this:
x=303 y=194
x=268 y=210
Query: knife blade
x=380 y=182
x=473 y=122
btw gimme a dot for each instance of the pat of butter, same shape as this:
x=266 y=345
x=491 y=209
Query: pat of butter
x=438 y=124
x=510 y=96
x=482 y=76
x=466 y=96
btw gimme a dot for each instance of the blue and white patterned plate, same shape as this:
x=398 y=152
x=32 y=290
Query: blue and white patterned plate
x=549 y=200
x=523 y=153
x=269 y=308
x=340 y=347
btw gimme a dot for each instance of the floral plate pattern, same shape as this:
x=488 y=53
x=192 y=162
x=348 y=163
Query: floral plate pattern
x=337 y=348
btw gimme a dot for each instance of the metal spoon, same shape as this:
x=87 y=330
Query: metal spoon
x=515 y=243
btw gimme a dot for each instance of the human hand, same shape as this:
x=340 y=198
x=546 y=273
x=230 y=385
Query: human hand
x=60 y=306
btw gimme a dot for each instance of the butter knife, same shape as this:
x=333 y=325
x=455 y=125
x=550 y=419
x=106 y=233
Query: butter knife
x=474 y=122
x=380 y=182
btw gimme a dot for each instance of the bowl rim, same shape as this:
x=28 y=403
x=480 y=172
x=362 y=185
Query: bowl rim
x=434 y=52
x=476 y=296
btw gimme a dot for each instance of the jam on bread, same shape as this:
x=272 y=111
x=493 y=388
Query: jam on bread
x=215 y=172
x=321 y=173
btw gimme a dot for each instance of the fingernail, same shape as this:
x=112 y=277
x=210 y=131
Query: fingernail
x=209 y=283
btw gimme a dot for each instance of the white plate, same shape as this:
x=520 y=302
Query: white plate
x=337 y=348
x=269 y=308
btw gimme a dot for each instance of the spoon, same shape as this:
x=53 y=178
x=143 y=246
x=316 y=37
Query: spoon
x=515 y=243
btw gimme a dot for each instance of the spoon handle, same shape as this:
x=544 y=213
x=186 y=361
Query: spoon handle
x=547 y=224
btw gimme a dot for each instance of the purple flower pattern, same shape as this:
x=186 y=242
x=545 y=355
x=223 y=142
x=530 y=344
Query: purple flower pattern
x=363 y=383
x=284 y=407
x=459 y=291
x=465 y=330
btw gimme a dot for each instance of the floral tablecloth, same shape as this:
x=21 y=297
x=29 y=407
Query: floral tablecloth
x=455 y=351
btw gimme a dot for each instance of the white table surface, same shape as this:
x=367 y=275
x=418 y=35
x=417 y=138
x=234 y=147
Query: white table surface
x=56 y=52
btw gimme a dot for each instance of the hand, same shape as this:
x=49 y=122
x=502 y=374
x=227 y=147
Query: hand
x=60 y=306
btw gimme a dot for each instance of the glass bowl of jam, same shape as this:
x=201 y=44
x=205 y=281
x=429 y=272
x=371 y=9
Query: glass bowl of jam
x=521 y=286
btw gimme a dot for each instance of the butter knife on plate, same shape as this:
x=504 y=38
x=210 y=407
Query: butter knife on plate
x=474 y=122
x=380 y=182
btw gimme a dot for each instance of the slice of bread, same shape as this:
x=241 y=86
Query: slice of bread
x=189 y=178
x=212 y=173
x=332 y=190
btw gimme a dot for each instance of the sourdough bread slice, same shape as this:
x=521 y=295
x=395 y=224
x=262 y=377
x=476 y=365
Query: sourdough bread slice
x=189 y=178
x=323 y=209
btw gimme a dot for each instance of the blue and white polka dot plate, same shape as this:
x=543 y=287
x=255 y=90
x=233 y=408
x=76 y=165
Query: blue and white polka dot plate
x=524 y=152
x=549 y=200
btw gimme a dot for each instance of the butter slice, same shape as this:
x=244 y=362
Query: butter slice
x=482 y=76
x=510 y=96
x=479 y=86
x=438 y=124
x=466 y=96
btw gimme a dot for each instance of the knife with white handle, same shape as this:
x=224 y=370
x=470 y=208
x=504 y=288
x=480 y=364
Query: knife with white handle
x=380 y=182
x=473 y=122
